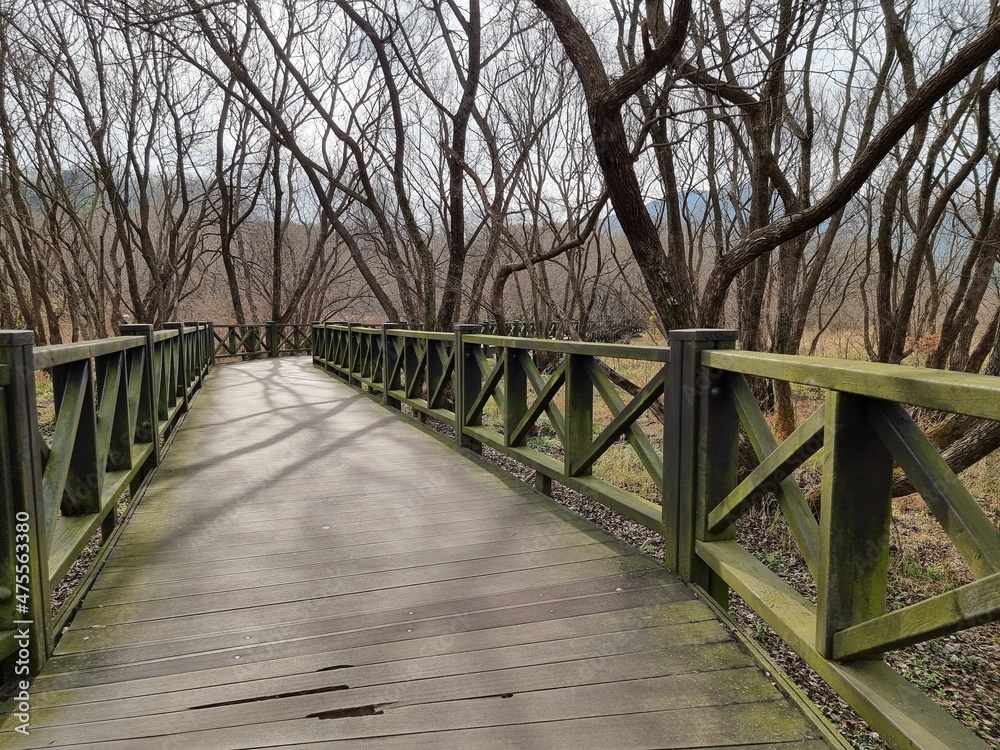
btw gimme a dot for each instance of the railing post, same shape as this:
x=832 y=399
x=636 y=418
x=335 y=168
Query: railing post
x=314 y=348
x=146 y=423
x=700 y=442
x=468 y=383
x=197 y=354
x=579 y=412
x=313 y=341
x=183 y=374
x=351 y=354
x=855 y=520
x=434 y=353
x=271 y=341
x=210 y=339
x=205 y=336
x=410 y=370
x=23 y=519
x=389 y=359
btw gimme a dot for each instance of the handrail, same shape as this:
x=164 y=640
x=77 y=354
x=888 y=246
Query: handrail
x=60 y=354
x=117 y=404
x=861 y=431
x=957 y=392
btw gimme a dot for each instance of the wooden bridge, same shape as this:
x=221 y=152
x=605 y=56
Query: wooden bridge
x=307 y=566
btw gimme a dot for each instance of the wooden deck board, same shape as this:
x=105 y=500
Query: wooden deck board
x=547 y=603
x=307 y=569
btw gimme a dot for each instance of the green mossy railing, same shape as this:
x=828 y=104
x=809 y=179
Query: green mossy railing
x=117 y=401
x=861 y=433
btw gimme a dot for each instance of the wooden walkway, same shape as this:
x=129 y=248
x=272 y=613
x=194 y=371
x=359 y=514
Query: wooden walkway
x=307 y=568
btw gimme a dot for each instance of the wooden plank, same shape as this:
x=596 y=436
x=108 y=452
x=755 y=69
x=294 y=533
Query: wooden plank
x=583 y=660
x=689 y=621
x=169 y=515
x=145 y=621
x=295 y=724
x=305 y=488
x=297 y=519
x=310 y=566
x=478 y=617
x=593 y=349
x=429 y=524
x=444 y=535
x=538 y=536
x=634 y=731
x=336 y=578
x=209 y=617
x=285 y=551
x=46 y=357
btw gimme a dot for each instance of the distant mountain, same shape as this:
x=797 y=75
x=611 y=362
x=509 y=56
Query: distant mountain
x=696 y=202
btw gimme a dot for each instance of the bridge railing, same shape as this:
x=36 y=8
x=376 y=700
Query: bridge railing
x=117 y=403
x=261 y=340
x=861 y=433
x=423 y=371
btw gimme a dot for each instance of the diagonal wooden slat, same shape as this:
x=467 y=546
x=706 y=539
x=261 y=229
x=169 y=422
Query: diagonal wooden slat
x=397 y=365
x=114 y=444
x=624 y=422
x=249 y=335
x=378 y=362
x=447 y=359
x=109 y=384
x=539 y=384
x=490 y=384
x=962 y=518
x=221 y=343
x=84 y=484
x=905 y=715
x=794 y=451
x=976 y=603
x=415 y=378
x=136 y=365
x=794 y=506
x=69 y=395
x=545 y=392
x=499 y=394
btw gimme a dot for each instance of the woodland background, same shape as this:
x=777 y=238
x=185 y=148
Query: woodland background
x=818 y=174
